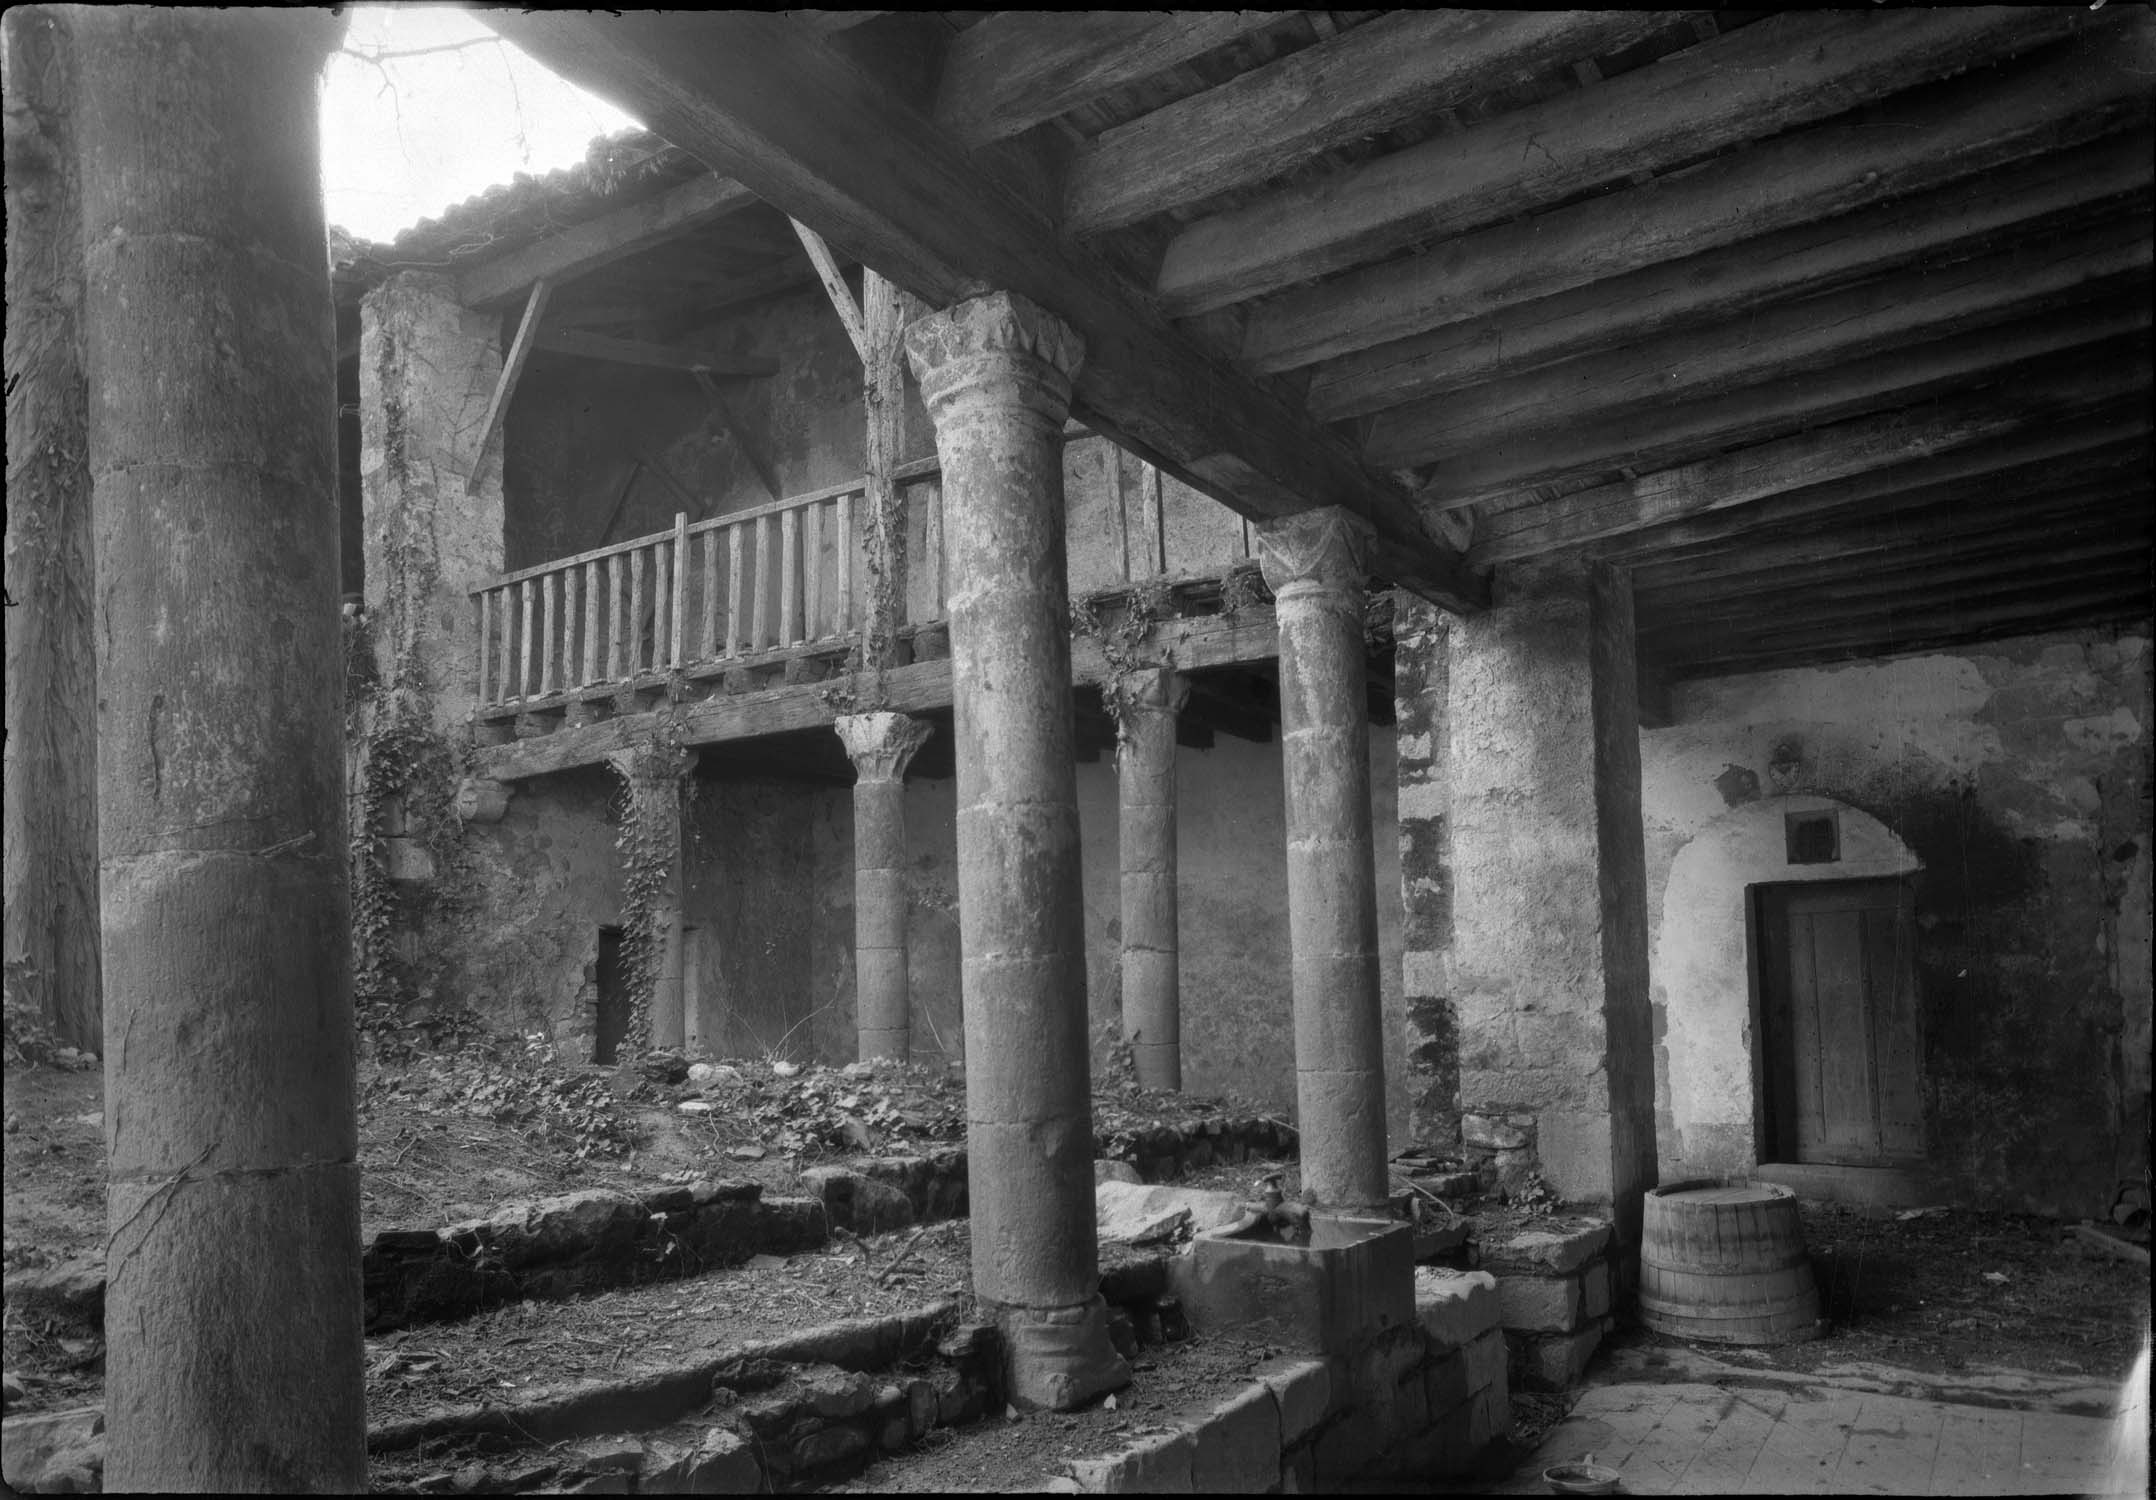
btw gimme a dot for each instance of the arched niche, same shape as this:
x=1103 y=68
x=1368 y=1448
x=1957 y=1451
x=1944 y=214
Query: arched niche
x=1702 y=964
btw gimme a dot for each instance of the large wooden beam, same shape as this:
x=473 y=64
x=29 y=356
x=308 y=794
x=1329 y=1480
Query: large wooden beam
x=1844 y=621
x=1742 y=278
x=1659 y=438
x=1784 y=71
x=1018 y=68
x=2089 y=89
x=2074 y=448
x=584 y=248
x=653 y=356
x=799 y=125
x=1823 y=455
x=1893 y=312
x=1378 y=76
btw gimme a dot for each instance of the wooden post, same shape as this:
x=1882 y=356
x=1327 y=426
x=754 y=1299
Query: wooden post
x=709 y=644
x=885 y=314
x=762 y=618
x=485 y=641
x=233 y=1359
x=679 y=631
x=811 y=568
x=591 y=622
x=617 y=663
x=789 y=575
x=736 y=606
x=550 y=587
x=636 y=611
x=843 y=611
x=524 y=676
x=505 y=609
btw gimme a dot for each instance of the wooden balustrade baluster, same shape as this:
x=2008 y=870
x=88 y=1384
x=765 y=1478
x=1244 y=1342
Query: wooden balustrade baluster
x=505 y=611
x=812 y=571
x=526 y=594
x=842 y=609
x=486 y=643
x=789 y=576
x=761 y=619
x=678 y=629
x=617 y=664
x=737 y=618
x=636 y=612
x=931 y=497
x=661 y=584
x=708 y=644
x=591 y=623
x=549 y=586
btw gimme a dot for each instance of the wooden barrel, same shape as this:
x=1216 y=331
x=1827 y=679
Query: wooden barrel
x=1725 y=1262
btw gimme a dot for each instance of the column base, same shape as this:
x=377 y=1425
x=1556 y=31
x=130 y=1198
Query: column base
x=1060 y=1358
x=885 y=1046
x=1159 y=1065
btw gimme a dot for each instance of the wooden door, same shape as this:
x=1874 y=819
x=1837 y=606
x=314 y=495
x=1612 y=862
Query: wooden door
x=1837 y=977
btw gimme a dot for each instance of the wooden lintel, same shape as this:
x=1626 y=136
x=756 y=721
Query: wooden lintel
x=834 y=285
x=1790 y=69
x=655 y=356
x=512 y=370
x=809 y=133
x=2090 y=89
x=584 y=248
x=739 y=432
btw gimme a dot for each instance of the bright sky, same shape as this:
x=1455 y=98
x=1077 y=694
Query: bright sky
x=403 y=140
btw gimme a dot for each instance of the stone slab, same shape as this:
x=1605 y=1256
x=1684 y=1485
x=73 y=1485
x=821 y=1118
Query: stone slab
x=54 y=1452
x=1553 y=1249
x=1539 y=1304
x=1595 y=1290
x=1135 y=1213
x=1553 y=1361
x=1455 y=1307
x=1158 y=1465
x=1303 y=1391
x=1237 y=1445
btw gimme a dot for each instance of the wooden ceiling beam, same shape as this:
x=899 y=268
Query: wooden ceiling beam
x=654 y=356
x=1360 y=83
x=1840 y=451
x=824 y=143
x=1664 y=436
x=586 y=247
x=1788 y=70
x=1018 y=68
x=2072 y=449
x=1890 y=313
x=1738 y=279
x=1964 y=519
x=2091 y=88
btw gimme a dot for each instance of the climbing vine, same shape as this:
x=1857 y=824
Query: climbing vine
x=885 y=550
x=1137 y=608
x=648 y=849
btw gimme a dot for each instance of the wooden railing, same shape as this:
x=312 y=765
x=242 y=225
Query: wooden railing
x=788 y=574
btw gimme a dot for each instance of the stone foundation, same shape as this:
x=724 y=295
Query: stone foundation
x=1556 y=1283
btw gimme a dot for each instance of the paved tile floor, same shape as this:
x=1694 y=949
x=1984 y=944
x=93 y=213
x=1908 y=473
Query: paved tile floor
x=1695 y=1425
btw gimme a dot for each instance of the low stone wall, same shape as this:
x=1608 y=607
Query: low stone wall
x=1556 y=1283
x=1424 y=1400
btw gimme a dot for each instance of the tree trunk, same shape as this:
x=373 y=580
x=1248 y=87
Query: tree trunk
x=50 y=859
x=232 y=1302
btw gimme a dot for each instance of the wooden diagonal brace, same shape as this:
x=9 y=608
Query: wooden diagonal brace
x=849 y=311
x=512 y=368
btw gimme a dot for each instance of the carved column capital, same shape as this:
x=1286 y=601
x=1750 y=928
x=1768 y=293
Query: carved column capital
x=1150 y=690
x=1324 y=549
x=1002 y=349
x=881 y=745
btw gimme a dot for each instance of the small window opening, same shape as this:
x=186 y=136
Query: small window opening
x=1814 y=838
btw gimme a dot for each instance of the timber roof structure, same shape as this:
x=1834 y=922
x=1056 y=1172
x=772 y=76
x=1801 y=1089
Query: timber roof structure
x=1831 y=326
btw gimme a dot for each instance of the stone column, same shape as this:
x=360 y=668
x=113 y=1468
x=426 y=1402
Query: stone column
x=427 y=370
x=1313 y=563
x=654 y=780
x=995 y=375
x=232 y=1299
x=1549 y=961
x=1424 y=782
x=1147 y=701
x=880 y=745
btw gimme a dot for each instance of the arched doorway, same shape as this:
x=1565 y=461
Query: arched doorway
x=1811 y=861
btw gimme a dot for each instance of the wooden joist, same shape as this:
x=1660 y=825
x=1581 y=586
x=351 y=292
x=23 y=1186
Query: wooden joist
x=584 y=248
x=1893 y=312
x=1660 y=437
x=2074 y=448
x=1821 y=456
x=810 y=134
x=1737 y=279
x=654 y=356
x=2091 y=88
x=1361 y=83
x=1788 y=70
x=1017 y=68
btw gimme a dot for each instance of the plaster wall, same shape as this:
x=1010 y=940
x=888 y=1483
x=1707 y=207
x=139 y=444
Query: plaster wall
x=2015 y=779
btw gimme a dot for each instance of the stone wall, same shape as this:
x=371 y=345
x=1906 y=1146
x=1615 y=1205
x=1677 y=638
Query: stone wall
x=2017 y=777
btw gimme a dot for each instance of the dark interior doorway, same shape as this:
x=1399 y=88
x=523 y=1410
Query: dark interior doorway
x=613 y=998
x=1841 y=1062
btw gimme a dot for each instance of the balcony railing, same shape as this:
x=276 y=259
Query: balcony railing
x=786 y=575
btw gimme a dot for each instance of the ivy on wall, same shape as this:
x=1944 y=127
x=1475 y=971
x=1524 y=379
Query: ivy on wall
x=647 y=837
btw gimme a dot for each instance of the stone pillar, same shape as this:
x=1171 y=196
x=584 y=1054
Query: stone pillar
x=1549 y=962
x=1313 y=563
x=654 y=780
x=880 y=745
x=427 y=371
x=1424 y=775
x=232 y=1300
x=995 y=375
x=1147 y=701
